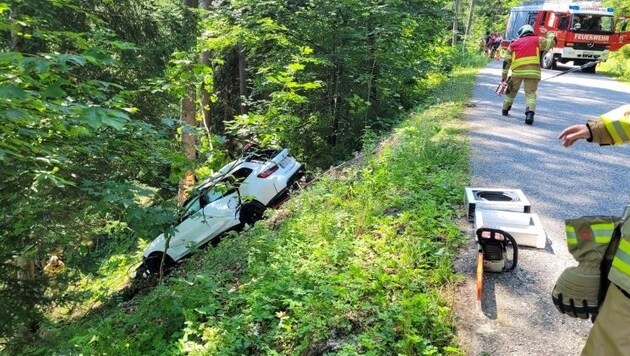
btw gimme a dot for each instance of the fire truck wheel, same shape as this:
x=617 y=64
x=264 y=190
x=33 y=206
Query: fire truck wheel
x=548 y=61
x=590 y=69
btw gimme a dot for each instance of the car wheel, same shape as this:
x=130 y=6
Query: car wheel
x=152 y=263
x=251 y=212
x=548 y=61
x=590 y=69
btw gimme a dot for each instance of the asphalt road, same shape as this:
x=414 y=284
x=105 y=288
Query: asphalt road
x=516 y=315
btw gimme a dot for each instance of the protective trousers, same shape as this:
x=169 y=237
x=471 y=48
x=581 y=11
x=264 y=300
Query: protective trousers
x=531 y=85
x=610 y=335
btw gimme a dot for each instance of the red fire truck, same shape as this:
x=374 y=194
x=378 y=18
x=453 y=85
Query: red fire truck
x=586 y=31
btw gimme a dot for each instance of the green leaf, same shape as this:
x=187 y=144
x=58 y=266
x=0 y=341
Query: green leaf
x=54 y=91
x=114 y=122
x=15 y=114
x=98 y=116
x=296 y=67
x=311 y=85
x=94 y=117
x=10 y=91
x=72 y=58
x=10 y=57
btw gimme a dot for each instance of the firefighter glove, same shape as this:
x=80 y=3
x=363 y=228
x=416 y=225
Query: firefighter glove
x=576 y=291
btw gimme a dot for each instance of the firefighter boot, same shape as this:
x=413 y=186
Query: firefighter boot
x=529 y=117
x=506 y=112
x=576 y=292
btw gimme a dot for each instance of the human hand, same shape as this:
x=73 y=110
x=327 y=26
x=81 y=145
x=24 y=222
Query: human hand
x=574 y=133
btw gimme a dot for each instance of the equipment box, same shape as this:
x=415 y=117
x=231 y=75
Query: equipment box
x=526 y=228
x=495 y=199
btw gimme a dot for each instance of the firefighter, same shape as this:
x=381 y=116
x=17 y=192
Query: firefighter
x=610 y=335
x=523 y=58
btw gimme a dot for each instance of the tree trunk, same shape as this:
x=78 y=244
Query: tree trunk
x=15 y=39
x=469 y=23
x=372 y=81
x=455 y=24
x=188 y=112
x=188 y=141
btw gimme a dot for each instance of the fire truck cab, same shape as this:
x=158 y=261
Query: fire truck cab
x=586 y=31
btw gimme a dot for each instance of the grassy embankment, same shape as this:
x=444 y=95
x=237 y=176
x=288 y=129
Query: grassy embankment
x=359 y=262
x=618 y=65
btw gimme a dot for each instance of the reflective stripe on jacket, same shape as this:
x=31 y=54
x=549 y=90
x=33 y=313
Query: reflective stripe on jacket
x=612 y=128
x=523 y=56
x=588 y=237
x=620 y=270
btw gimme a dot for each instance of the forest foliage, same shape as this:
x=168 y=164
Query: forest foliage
x=91 y=141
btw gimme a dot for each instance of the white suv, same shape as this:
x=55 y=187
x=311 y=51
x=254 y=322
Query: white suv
x=236 y=195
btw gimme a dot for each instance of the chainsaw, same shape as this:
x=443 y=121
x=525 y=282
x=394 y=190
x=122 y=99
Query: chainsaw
x=503 y=87
x=492 y=256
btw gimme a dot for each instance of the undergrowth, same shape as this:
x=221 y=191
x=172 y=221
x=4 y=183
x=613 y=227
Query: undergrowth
x=357 y=264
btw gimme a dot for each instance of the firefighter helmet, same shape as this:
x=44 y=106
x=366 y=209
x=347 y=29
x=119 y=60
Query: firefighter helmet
x=524 y=30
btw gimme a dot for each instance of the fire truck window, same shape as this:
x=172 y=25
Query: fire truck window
x=563 y=23
x=576 y=23
x=606 y=24
x=543 y=18
x=552 y=20
x=531 y=18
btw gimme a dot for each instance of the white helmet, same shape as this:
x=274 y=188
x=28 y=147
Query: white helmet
x=525 y=29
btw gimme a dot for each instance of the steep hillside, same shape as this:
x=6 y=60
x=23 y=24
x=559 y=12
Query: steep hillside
x=359 y=262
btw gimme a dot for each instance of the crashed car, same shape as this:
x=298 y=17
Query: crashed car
x=236 y=195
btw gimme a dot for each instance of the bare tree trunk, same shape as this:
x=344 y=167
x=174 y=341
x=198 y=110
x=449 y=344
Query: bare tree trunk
x=469 y=23
x=455 y=21
x=188 y=113
x=188 y=141
x=15 y=39
x=372 y=81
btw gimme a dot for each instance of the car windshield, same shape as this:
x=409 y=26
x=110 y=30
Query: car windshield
x=192 y=206
x=218 y=191
x=200 y=199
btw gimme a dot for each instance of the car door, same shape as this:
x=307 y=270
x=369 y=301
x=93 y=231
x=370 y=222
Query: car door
x=219 y=211
x=188 y=229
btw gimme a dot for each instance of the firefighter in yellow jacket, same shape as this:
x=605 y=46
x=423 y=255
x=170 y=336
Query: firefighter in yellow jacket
x=523 y=58
x=611 y=333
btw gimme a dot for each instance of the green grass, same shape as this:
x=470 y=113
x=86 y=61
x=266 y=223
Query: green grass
x=361 y=262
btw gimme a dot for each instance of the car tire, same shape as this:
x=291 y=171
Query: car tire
x=153 y=261
x=548 y=61
x=590 y=69
x=251 y=212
